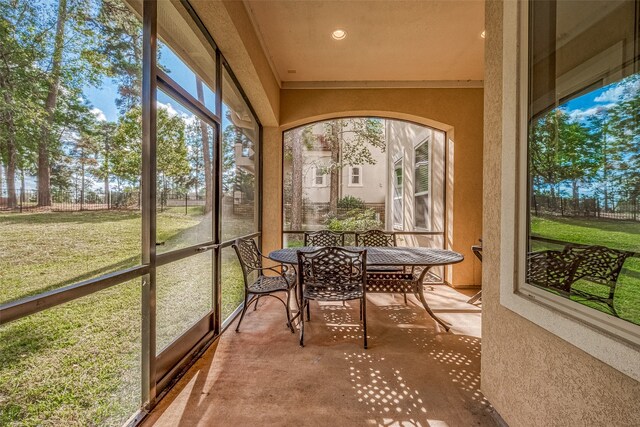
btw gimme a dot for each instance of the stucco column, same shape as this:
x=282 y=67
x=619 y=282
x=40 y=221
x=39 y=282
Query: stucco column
x=271 y=189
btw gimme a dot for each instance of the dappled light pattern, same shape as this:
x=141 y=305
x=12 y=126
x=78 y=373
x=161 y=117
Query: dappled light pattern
x=412 y=374
x=384 y=391
x=401 y=314
x=341 y=320
x=460 y=355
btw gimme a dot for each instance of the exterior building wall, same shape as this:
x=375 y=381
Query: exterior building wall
x=373 y=177
x=403 y=138
x=531 y=376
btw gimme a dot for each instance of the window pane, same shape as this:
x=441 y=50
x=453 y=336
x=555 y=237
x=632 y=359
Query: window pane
x=240 y=135
x=75 y=364
x=185 y=290
x=584 y=154
x=422 y=168
x=398 y=214
x=422 y=211
x=185 y=149
x=70 y=185
x=185 y=54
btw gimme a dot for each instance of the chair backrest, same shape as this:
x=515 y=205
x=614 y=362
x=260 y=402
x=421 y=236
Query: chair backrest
x=598 y=264
x=249 y=256
x=332 y=268
x=323 y=238
x=551 y=269
x=376 y=238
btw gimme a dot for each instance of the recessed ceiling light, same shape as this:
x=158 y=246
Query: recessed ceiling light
x=483 y=34
x=339 y=34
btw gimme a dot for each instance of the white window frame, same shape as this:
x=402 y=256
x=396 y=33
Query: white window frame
x=359 y=175
x=398 y=163
x=613 y=341
x=421 y=193
x=315 y=176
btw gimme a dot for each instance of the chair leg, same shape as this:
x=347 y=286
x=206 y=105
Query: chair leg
x=361 y=310
x=405 y=298
x=363 y=302
x=308 y=310
x=289 y=324
x=302 y=324
x=475 y=298
x=255 y=306
x=244 y=310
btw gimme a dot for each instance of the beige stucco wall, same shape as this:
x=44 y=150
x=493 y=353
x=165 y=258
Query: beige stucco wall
x=458 y=110
x=532 y=377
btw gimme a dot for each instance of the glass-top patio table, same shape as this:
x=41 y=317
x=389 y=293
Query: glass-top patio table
x=390 y=282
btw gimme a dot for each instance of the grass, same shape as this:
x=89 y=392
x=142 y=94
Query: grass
x=623 y=235
x=79 y=363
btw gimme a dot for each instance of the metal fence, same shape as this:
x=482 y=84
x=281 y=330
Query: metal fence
x=70 y=201
x=618 y=208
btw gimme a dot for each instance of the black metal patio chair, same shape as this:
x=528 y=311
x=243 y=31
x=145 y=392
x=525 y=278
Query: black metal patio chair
x=323 y=238
x=333 y=274
x=379 y=238
x=262 y=285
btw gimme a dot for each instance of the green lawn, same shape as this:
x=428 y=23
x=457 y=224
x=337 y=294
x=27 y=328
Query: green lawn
x=614 y=234
x=79 y=363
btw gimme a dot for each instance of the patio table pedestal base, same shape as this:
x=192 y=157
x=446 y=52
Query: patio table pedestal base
x=392 y=283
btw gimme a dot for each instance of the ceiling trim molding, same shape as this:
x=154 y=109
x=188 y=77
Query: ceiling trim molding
x=382 y=84
x=263 y=44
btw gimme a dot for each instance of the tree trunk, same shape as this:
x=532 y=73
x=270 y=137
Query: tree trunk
x=10 y=147
x=22 y=198
x=44 y=172
x=296 y=179
x=206 y=153
x=605 y=168
x=576 y=196
x=334 y=185
x=82 y=180
x=106 y=171
x=10 y=170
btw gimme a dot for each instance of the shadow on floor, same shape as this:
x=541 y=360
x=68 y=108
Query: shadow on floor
x=413 y=374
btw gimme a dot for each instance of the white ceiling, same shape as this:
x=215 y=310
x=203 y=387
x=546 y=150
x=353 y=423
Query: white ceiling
x=387 y=41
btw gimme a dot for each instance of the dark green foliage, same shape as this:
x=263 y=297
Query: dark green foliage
x=350 y=202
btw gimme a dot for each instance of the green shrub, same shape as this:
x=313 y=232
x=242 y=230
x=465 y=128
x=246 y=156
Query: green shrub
x=355 y=220
x=350 y=202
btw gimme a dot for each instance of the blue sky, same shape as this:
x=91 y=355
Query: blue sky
x=582 y=107
x=103 y=98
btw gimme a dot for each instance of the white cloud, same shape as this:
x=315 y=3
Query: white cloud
x=99 y=114
x=578 y=114
x=188 y=118
x=619 y=92
x=169 y=109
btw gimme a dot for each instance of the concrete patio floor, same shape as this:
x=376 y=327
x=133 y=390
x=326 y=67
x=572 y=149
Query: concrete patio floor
x=413 y=374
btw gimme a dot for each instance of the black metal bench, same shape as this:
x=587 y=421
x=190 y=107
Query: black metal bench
x=560 y=270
